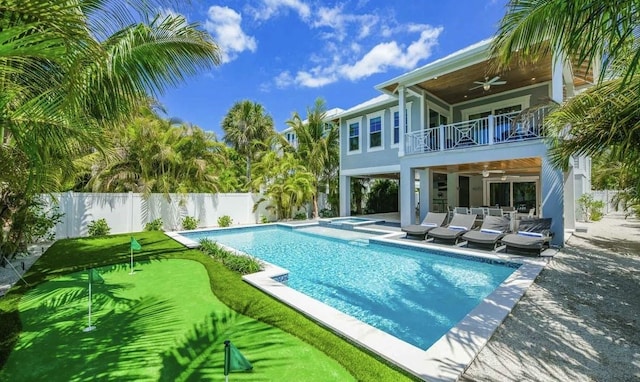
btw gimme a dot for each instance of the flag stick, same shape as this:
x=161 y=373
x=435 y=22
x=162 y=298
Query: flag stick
x=131 y=249
x=226 y=360
x=89 y=328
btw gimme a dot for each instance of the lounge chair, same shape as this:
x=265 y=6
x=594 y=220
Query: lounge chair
x=459 y=225
x=533 y=236
x=493 y=229
x=431 y=221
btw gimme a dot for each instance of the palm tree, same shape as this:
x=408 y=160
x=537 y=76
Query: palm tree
x=604 y=120
x=155 y=155
x=246 y=124
x=71 y=69
x=287 y=183
x=317 y=146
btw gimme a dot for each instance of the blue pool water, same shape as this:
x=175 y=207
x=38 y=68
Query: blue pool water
x=414 y=295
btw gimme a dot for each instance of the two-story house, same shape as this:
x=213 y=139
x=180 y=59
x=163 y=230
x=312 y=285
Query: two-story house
x=464 y=134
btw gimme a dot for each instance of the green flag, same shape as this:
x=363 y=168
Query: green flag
x=135 y=246
x=94 y=277
x=234 y=360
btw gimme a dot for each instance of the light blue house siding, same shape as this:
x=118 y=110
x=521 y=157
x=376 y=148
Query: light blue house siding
x=367 y=156
x=537 y=95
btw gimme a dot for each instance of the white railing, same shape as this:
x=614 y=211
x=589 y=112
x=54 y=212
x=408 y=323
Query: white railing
x=494 y=129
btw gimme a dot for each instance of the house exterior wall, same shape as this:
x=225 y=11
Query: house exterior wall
x=538 y=95
x=366 y=157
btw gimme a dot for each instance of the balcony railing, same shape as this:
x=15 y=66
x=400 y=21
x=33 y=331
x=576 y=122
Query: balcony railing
x=491 y=130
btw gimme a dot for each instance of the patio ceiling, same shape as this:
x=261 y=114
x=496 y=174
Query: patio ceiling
x=456 y=86
x=524 y=166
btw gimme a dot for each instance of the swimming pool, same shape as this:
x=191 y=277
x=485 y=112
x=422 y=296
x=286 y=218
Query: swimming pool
x=416 y=296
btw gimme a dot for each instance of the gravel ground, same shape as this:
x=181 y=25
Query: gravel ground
x=580 y=321
x=21 y=264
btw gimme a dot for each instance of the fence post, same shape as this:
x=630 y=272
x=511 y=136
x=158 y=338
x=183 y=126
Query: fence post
x=69 y=207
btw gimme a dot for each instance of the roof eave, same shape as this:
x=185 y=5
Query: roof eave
x=456 y=61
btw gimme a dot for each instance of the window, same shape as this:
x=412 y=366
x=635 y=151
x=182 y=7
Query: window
x=376 y=140
x=396 y=127
x=395 y=121
x=436 y=119
x=354 y=135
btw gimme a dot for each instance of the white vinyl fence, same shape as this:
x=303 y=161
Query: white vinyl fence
x=129 y=212
x=607 y=197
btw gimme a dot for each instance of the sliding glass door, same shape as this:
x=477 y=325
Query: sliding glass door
x=521 y=194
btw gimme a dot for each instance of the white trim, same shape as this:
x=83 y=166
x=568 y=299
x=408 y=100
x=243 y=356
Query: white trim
x=371 y=170
x=523 y=101
x=350 y=122
x=393 y=110
x=370 y=116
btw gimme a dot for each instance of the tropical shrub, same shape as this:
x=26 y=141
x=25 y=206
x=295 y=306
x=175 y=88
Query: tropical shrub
x=300 y=216
x=590 y=209
x=225 y=221
x=98 y=227
x=154 y=225
x=189 y=223
x=237 y=263
x=327 y=213
x=264 y=219
x=383 y=197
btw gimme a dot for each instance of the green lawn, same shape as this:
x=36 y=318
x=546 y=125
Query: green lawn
x=162 y=323
x=253 y=314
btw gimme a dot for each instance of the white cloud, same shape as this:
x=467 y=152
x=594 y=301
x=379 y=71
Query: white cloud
x=272 y=8
x=377 y=60
x=340 y=23
x=284 y=80
x=224 y=24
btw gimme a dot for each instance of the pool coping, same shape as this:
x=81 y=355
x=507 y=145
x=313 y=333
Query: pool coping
x=449 y=356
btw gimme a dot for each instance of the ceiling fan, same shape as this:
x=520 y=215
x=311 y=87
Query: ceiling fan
x=486 y=84
x=486 y=172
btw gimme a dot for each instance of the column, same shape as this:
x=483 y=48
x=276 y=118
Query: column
x=402 y=120
x=345 y=195
x=552 y=197
x=426 y=186
x=556 y=77
x=407 y=195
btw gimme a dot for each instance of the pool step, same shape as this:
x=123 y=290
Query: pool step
x=360 y=242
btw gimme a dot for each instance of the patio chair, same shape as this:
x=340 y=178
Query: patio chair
x=493 y=229
x=460 y=224
x=480 y=213
x=495 y=212
x=461 y=210
x=533 y=236
x=432 y=220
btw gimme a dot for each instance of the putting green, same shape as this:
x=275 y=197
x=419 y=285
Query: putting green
x=162 y=323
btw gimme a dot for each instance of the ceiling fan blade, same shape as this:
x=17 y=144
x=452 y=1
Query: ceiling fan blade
x=476 y=87
x=494 y=79
x=479 y=82
x=499 y=83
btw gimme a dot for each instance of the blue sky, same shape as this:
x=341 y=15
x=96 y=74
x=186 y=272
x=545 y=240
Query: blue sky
x=284 y=54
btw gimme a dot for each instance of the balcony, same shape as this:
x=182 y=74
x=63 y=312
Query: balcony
x=491 y=130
